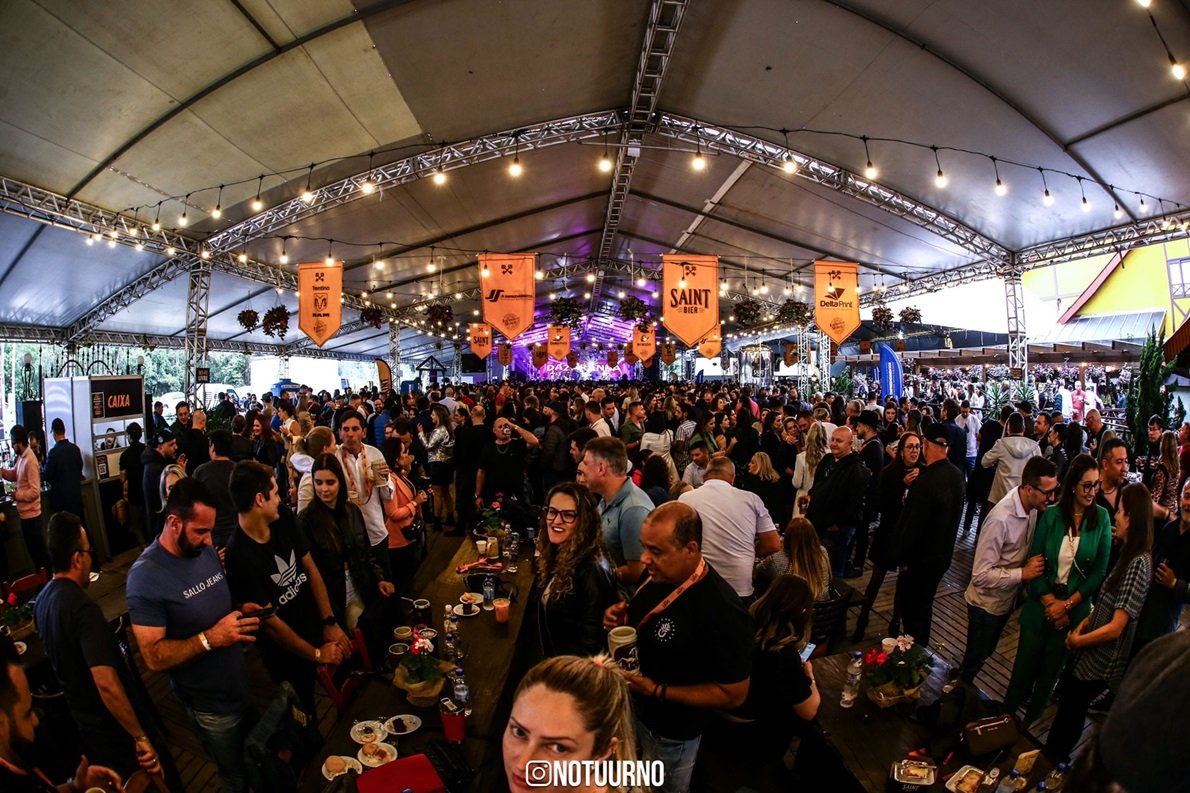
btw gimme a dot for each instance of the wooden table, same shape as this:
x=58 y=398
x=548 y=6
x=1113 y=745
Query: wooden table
x=490 y=649
x=871 y=739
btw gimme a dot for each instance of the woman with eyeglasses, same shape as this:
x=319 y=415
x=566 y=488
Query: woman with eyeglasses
x=895 y=479
x=1074 y=537
x=576 y=578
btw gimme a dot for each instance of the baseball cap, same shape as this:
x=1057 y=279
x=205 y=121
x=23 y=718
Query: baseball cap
x=936 y=433
x=869 y=417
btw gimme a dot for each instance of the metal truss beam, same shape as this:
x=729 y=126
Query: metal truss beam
x=1119 y=239
x=772 y=155
x=410 y=169
x=1018 y=341
x=661 y=33
x=198 y=300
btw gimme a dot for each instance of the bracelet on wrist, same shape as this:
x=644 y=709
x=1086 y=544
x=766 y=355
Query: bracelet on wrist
x=202 y=638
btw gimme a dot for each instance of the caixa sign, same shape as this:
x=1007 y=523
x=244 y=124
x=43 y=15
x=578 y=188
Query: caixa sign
x=117 y=397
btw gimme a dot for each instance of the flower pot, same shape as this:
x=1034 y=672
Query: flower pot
x=886 y=695
x=422 y=694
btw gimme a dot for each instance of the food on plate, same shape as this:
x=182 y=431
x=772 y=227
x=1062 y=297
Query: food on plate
x=335 y=764
x=471 y=597
x=1025 y=761
x=367 y=733
x=398 y=725
x=969 y=781
x=374 y=751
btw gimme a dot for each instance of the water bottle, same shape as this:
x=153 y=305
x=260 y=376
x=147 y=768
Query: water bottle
x=1042 y=787
x=489 y=594
x=454 y=628
x=990 y=782
x=462 y=693
x=1010 y=783
x=1056 y=778
x=449 y=651
x=855 y=671
x=529 y=537
x=448 y=611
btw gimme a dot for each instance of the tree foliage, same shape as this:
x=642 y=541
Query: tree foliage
x=1147 y=394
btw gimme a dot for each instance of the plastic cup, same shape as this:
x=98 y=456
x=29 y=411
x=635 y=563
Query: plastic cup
x=501 y=605
x=454 y=721
x=481 y=547
x=403 y=634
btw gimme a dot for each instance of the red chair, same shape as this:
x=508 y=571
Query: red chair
x=341 y=691
x=26 y=587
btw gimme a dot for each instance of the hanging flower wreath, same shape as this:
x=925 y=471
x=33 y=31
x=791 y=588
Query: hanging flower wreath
x=794 y=311
x=911 y=315
x=633 y=309
x=372 y=315
x=566 y=311
x=882 y=318
x=748 y=313
x=248 y=319
x=276 y=322
x=440 y=315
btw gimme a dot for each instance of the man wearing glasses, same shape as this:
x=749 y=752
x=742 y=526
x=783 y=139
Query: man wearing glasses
x=1000 y=567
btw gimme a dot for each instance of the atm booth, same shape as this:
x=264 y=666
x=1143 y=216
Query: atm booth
x=97 y=410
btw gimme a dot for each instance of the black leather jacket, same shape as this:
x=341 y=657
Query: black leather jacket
x=573 y=623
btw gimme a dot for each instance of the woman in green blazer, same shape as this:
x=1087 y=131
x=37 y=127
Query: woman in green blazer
x=1075 y=538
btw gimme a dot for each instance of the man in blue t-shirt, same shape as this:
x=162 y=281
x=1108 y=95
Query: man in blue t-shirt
x=180 y=606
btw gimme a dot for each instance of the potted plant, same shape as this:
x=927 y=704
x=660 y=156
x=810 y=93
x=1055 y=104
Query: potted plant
x=440 y=315
x=910 y=315
x=248 y=319
x=882 y=318
x=633 y=309
x=276 y=322
x=794 y=311
x=18 y=618
x=748 y=313
x=897 y=675
x=566 y=311
x=419 y=674
x=372 y=315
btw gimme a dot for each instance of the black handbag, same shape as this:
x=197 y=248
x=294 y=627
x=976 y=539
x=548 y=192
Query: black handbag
x=992 y=734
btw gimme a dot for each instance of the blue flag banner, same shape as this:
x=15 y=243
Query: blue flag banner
x=892 y=381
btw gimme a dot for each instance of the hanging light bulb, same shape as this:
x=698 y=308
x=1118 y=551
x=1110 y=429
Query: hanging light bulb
x=1086 y=205
x=682 y=282
x=439 y=175
x=140 y=246
x=539 y=275
x=1144 y=3
x=171 y=251
x=485 y=272
x=204 y=254
x=242 y=258
x=217 y=212
x=1117 y=213
x=515 y=168
x=183 y=220
x=940 y=179
x=90 y=240
x=590 y=278
x=1046 y=197
x=284 y=255
x=699 y=163
x=307 y=193
x=869 y=170
x=257 y=203
x=605 y=163
x=656 y=293
x=1178 y=70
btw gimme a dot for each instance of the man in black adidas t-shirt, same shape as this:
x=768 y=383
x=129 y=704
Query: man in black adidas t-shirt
x=694 y=641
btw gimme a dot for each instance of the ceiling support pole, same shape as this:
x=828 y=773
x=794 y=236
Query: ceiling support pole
x=394 y=352
x=198 y=298
x=1018 y=342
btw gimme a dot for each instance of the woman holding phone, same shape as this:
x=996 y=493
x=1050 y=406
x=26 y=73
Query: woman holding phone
x=1074 y=537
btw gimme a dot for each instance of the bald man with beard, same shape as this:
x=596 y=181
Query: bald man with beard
x=837 y=497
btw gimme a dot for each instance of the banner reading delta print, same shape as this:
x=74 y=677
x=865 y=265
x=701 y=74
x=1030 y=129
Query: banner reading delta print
x=836 y=299
x=509 y=290
x=320 y=301
x=711 y=346
x=644 y=343
x=504 y=354
x=790 y=353
x=691 y=311
x=558 y=341
x=480 y=335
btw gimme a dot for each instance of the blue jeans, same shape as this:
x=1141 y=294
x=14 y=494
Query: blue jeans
x=677 y=756
x=970 y=466
x=983 y=634
x=837 y=543
x=223 y=736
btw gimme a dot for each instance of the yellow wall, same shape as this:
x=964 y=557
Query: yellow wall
x=1142 y=284
x=1065 y=279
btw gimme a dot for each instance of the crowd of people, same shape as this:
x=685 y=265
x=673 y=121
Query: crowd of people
x=708 y=518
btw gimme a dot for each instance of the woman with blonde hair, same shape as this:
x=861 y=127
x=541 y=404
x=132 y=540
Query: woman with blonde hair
x=315 y=443
x=802 y=555
x=806 y=464
x=569 y=708
x=763 y=480
x=1165 y=479
x=576 y=578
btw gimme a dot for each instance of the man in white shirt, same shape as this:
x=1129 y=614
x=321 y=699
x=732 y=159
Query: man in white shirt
x=363 y=466
x=595 y=419
x=968 y=422
x=696 y=471
x=999 y=568
x=736 y=526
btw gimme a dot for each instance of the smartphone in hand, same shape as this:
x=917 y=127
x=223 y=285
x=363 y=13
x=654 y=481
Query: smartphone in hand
x=807 y=651
x=262 y=614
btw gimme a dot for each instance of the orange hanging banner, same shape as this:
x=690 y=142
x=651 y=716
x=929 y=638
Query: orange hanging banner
x=644 y=343
x=669 y=353
x=481 y=339
x=558 y=341
x=630 y=357
x=509 y=290
x=690 y=300
x=711 y=346
x=320 y=301
x=540 y=355
x=613 y=357
x=790 y=357
x=836 y=299
x=504 y=354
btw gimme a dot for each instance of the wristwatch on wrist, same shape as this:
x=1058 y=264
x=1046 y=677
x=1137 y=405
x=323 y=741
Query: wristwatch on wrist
x=317 y=655
x=328 y=620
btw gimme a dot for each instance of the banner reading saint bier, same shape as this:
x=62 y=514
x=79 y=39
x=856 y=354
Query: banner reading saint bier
x=320 y=304
x=558 y=341
x=481 y=339
x=836 y=299
x=644 y=343
x=690 y=299
x=504 y=354
x=508 y=291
